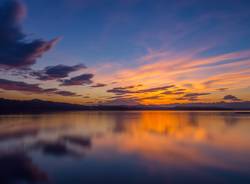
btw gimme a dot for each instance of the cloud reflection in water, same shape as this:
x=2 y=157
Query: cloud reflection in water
x=130 y=147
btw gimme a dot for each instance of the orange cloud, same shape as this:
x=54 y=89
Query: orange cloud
x=206 y=74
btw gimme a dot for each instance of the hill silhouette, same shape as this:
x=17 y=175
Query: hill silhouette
x=38 y=106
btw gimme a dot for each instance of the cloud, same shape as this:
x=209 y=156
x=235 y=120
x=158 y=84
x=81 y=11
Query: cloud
x=173 y=92
x=32 y=88
x=56 y=72
x=120 y=100
x=78 y=80
x=15 y=50
x=195 y=94
x=126 y=87
x=126 y=90
x=120 y=91
x=192 y=96
x=98 y=85
x=222 y=89
x=156 y=89
x=231 y=98
x=20 y=86
x=186 y=69
x=178 y=91
x=86 y=97
x=67 y=93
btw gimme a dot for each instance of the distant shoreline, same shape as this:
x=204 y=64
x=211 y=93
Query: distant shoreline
x=236 y=111
x=39 y=106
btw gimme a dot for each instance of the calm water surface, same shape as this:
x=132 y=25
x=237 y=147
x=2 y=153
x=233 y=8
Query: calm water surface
x=125 y=147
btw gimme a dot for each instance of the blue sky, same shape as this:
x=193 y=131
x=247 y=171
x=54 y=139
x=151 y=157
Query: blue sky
x=95 y=31
x=124 y=34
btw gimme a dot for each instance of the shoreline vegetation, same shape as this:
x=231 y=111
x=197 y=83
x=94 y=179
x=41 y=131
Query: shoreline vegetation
x=39 y=106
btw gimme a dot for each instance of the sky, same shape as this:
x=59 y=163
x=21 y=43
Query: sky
x=125 y=52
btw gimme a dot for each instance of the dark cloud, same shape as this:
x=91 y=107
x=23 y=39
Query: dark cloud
x=50 y=90
x=127 y=89
x=32 y=88
x=222 y=89
x=120 y=91
x=56 y=72
x=86 y=97
x=78 y=80
x=67 y=93
x=192 y=96
x=19 y=168
x=156 y=89
x=60 y=92
x=172 y=93
x=120 y=100
x=195 y=94
x=180 y=90
x=15 y=50
x=20 y=86
x=231 y=98
x=98 y=85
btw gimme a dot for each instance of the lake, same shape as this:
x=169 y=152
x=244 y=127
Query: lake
x=125 y=147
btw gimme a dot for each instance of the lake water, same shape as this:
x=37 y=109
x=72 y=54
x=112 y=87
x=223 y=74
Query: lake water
x=125 y=147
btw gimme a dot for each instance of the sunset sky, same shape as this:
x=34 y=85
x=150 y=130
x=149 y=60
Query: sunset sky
x=125 y=52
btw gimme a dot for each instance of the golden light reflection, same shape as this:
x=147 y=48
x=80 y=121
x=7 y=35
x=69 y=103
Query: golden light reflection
x=160 y=137
x=182 y=138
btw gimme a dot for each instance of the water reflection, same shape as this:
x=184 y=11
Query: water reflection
x=125 y=147
x=17 y=167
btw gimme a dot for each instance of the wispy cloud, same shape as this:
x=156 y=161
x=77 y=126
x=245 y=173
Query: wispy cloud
x=203 y=74
x=187 y=59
